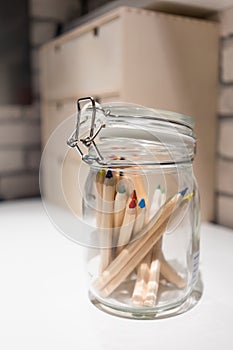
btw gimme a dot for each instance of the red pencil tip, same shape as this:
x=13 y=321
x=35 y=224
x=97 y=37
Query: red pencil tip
x=132 y=204
x=134 y=195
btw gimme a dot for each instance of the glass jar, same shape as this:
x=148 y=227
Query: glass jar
x=140 y=208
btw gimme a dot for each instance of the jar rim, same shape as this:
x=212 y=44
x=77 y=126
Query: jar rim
x=159 y=132
x=130 y=110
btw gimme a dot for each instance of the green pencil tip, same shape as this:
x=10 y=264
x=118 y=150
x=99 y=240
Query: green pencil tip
x=122 y=189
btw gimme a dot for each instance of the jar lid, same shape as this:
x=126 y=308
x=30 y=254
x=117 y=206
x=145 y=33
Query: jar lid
x=129 y=110
x=124 y=134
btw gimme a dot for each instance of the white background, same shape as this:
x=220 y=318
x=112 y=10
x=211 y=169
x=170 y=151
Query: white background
x=44 y=302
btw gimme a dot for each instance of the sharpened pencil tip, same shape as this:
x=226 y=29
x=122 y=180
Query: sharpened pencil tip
x=109 y=174
x=158 y=187
x=182 y=193
x=122 y=189
x=134 y=195
x=189 y=196
x=163 y=190
x=142 y=203
x=132 y=204
x=102 y=172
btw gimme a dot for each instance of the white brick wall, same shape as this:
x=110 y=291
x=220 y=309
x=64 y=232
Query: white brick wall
x=19 y=134
x=224 y=181
x=19 y=185
x=11 y=160
x=226 y=22
x=12 y=112
x=225 y=176
x=227 y=61
x=226 y=137
x=226 y=100
x=32 y=111
x=19 y=125
x=33 y=159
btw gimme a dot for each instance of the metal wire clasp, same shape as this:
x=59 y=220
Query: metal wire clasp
x=88 y=141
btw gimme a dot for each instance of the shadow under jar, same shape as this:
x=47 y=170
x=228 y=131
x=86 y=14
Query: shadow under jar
x=140 y=209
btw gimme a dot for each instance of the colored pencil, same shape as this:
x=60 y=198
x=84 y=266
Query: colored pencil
x=145 y=268
x=140 y=218
x=156 y=201
x=134 y=252
x=119 y=210
x=139 y=184
x=140 y=288
x=127 y=225
x=107 y=221
x=100 y=177
x=133 y=262
x=153 y=281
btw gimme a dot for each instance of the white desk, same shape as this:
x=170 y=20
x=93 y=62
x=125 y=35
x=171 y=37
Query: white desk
x=44 y=302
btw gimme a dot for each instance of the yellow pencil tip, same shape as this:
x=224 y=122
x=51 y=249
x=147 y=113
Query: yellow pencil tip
x=190 y=195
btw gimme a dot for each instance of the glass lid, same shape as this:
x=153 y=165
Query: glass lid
x=129 y=110
x=120 y=134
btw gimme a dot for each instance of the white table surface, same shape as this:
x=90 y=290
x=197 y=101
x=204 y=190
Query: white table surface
x=44 y=302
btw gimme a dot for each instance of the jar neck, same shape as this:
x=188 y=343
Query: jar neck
x=126 y=144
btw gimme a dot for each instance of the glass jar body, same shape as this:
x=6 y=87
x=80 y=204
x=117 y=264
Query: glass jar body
x=145 y=264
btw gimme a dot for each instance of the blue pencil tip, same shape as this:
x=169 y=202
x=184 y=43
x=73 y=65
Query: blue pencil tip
x=109 y=174
x=142 y=203
x=182 y=193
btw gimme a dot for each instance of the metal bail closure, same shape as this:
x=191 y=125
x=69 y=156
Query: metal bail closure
x=88 y=141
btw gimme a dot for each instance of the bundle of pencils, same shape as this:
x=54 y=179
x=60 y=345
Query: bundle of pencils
x=129 y=243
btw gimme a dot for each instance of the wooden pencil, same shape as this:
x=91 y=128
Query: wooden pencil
x=152 y=286
x=142 y=270
x=106 y=231
x=140 y=287
x=140 y=218
x=100 y=177
x=127 y=225
x=153 y=280
x=119 y=177
x=139 y=221
x=119 y=211
x=140 y=187
x=163 y=196
x=168 y=272
x=133 y=262
x=151 y=233
x=156 y=201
